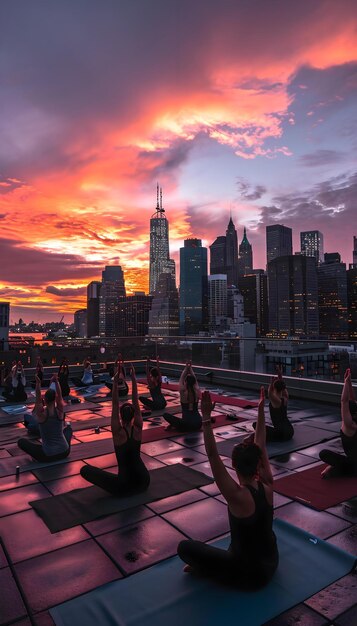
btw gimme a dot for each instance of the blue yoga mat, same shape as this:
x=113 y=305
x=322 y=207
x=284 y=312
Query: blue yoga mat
x=163 y=594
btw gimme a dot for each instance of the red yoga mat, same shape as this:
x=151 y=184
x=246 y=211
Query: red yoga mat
x=216 y=397
x=160 y=432
x=309 y=488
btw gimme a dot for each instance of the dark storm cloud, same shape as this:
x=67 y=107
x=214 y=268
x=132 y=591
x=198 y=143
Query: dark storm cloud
x=19 y=265
x=249 y=192
x=66 y=291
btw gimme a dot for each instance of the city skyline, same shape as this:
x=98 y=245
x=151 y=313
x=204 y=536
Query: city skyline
x=232 y=109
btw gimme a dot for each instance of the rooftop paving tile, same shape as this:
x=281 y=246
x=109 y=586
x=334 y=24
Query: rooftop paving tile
x=336 y=598
x=118 y=520
x=17 y=500
x=202 y=520
x=52 y=578
x=13 y=482
x=346 y=540
x=317 y=523
x=300 y=615
x=174 y=502
x=11 y=603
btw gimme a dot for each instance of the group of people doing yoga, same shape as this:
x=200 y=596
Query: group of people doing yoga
x=15 y=383
x=252 y=557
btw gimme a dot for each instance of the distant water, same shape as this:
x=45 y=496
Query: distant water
x=39 y=338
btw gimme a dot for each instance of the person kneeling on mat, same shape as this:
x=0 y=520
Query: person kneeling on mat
x=154 y=381
x=126 y=425
x=55 y=435
x=191 y=419
x=252 y=557
x=344 y=464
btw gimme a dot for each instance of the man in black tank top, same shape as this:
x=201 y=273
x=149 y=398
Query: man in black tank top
x=252 y=558
x=339 y=464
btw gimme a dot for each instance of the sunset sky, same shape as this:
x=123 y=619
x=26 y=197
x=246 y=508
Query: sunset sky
x=241 y=105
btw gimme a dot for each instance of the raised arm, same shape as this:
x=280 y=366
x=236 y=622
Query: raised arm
x=138 y=418
x=59 y=399
x=158 y=369
x=347 y=421
x=184 y=373
x=350 y=388
x=148 y=371
x=227 y=486
x=260 y=439
x=272 y=395
x=38 y=402
x=116 y=425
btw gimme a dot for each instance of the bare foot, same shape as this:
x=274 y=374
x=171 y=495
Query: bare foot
x=329 y=472
x=188 y=569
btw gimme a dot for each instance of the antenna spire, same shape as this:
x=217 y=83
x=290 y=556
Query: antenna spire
x=160 y=198
x=157 y=196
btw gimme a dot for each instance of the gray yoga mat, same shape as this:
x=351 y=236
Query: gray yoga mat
x=304 y=436
x=84 y=505
x=163 y=594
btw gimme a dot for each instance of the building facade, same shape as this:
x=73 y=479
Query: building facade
x=164 y=314
x=312 y=244
x=245 y=261
x=352 y=301
x=333 y=297
x=134 y=315
x=160 y=261
x=93 y=299
x=111 y=292
x=279 y=240
x=4 y=325
x=80 y=323
x=254 y=289
x=217 y=299
x=193 y=288
x=293 y=296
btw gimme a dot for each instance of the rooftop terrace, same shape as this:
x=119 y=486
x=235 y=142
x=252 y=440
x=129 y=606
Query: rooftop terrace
x=40 y=570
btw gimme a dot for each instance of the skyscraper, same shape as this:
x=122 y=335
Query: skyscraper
x=354 y=254
x=333 y=297
x=193 y=288
x=279 y=241
x=293 y=296
x=352 y=301
x=112 y=289
x=218 y=255
x=245 y=262
x=217 y=298
x=134 y=315
x=312 y=244
x=254 y=289
x=159 y=243
x=4 y=325
x=80 y=323
x=231 y=266
x=164 y=314
x=93 y=294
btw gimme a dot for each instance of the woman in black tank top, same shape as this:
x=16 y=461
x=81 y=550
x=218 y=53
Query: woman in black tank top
x=157 y=401
x=252 y=557
x=344 y=464
x=126 y=425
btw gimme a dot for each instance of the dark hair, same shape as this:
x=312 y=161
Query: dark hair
x=353 y=408
x=126 y=412
x=154 y=372
x=279 y=385
x=245 y=458
x=50 y=396
x=190 y=380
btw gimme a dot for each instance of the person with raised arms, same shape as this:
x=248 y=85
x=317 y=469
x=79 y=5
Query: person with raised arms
x=154 y=380
x=282 y=429
x=252 y=557
x=123 y=388
x=55 y=434
x=191 y=419
x=344 y=464
x=126 y=424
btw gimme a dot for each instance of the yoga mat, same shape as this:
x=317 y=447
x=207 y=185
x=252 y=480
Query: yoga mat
x=163 y=594
x=14 y=410
x=84 y=505
x=334 y=427
x=216 y=397
x=308 y=487
x=304 y=436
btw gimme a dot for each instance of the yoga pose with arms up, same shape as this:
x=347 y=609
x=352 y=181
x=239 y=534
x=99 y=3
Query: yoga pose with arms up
x=154 y=380
x=123 y=388
x=252 y=557
x=55 y=437
x=189 y=395
x=126 y=425
x=344 y=464
x=282 y=429
x=63 y=376
x=18 y=383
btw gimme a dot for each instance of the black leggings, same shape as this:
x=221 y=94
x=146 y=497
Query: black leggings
x=223 y=566
x=182 y=424
x=114 y=483
x=278 y=434
x=36 y=451
x=152 y=405
x=340 y=462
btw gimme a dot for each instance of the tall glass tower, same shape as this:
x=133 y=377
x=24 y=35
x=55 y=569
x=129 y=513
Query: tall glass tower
x=245 y=263
x=193 y=288
x=159 y=244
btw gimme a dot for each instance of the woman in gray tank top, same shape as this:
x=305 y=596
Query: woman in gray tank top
x=56 y=437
